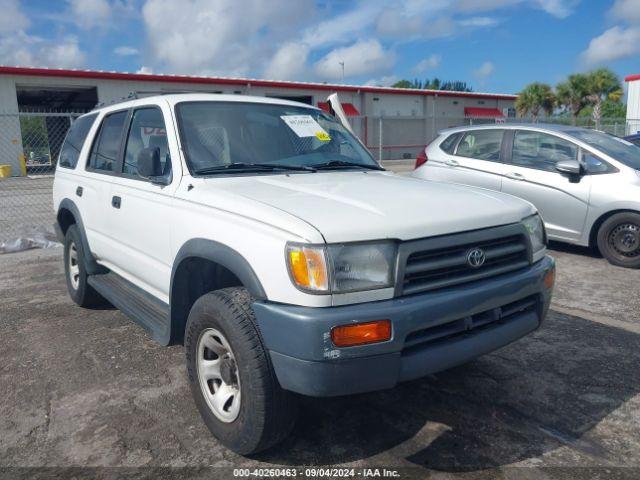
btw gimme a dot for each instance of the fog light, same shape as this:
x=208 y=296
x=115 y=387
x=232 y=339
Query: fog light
x=361 y=333
x=550 y=279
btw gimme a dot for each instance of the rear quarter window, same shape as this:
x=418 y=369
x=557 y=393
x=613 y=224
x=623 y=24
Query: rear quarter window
x=74 y=141
x=449 y=143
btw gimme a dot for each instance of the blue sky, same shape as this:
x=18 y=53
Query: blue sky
x=494 y=45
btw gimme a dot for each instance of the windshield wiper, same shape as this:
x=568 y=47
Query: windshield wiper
x=252 y=166
x=344 y=163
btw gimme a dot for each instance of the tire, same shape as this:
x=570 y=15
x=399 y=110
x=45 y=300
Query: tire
x=619 y=239
x=75 y=271
x=221 y=329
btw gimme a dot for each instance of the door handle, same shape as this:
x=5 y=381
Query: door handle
x=79 y=191
x=115 y=202
x=515 y=176
x=452 y=163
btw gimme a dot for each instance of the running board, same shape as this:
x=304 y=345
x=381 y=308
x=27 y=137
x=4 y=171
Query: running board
x=145 y=309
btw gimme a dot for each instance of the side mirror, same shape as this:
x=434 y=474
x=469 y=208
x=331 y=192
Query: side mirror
x=149 y=165
x=569 y=167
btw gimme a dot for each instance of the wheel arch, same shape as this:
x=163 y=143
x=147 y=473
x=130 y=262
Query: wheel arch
x=593 y=234
x=202 y=266
x=68 y=214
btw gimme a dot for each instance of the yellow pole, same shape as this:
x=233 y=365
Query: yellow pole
x=23 y=165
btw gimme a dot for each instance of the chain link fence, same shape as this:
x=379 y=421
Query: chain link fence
x=29 y=146
x=397 y=138
x=30 y=143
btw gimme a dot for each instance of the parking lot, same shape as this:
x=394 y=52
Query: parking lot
x=89 y=388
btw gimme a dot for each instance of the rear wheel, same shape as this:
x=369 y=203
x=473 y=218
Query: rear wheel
x=231 y=377
x=619 y=239
x=75 y=271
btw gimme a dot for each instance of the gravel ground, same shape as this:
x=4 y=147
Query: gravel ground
x=89 y=389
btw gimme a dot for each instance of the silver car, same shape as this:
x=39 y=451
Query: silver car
x=584 y=183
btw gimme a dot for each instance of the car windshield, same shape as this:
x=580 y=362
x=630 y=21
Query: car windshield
x=617 y=148
x=236 y=137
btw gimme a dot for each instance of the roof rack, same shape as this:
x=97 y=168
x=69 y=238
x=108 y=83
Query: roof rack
x=134 y=95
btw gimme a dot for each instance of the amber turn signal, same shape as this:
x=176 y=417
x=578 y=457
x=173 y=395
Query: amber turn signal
x=550 y=279
x=361 y=333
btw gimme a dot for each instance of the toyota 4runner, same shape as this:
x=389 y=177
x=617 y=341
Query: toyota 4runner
x=262 y=235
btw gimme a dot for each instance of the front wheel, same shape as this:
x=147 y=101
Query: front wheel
x=231 y=377
x=619 y=239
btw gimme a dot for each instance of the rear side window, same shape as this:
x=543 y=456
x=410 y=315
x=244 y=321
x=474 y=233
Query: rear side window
x=74 y=140
x=449 y=144
x=104 y=154
x=481 y=145
x=541 y=151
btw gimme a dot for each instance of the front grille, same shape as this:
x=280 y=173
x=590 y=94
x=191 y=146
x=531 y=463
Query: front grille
x=470 y=325
x=446 y=265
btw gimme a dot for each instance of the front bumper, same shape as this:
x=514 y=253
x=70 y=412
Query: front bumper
x=431 y=332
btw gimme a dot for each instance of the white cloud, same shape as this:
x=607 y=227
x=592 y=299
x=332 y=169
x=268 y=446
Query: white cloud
x=613 y=44
x=25 y=50
x=479 y=22
x=384 y=81
x=289 y=62
x=344 y=27
x=145 y=70
x=12 y=18
x=126 y=51
x=485 y=70
x=360 y=58
x=430 y=63
x=626 y=11
x=556 y=8
x=228 y=37
x=89 y=14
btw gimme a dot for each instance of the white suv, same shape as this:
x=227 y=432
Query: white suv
x=262 y=235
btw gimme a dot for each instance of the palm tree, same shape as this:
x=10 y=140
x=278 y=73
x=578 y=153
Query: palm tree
x=602 y=84
x=574 y=94
x=534 y=98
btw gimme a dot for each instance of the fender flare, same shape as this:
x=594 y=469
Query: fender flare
x=90 y=262
x=224 y=256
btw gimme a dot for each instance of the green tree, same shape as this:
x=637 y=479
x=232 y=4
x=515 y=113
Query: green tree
x=610 y=109
x=573 y=94
x=534 y=98
x=435 y=84
x=603 y=85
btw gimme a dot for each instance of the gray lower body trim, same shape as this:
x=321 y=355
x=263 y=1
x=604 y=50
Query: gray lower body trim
x=306 y=362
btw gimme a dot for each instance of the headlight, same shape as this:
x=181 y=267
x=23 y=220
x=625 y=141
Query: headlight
x=535 y=228
x=341 y=268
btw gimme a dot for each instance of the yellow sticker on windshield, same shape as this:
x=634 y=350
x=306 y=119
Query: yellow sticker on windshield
x=323 y=136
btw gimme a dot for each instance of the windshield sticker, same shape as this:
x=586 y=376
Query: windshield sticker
x=305 y=126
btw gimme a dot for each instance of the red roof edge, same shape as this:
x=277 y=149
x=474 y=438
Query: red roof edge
x=631 y=78
x=143 y=77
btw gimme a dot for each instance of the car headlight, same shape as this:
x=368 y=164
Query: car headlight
x=537 y=235
x=342 y=268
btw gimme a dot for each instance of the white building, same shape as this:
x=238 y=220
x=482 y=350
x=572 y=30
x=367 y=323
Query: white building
x=633 y=104
x=416 y=114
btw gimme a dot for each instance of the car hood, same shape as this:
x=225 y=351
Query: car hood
x=352 y=206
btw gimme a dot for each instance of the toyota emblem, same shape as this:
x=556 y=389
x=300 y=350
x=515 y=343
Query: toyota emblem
x=476 y=258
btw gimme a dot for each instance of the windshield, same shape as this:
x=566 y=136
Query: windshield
x=617 y=148
x=232 y=137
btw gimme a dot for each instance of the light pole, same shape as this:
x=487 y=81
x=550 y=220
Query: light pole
x=342 y=65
